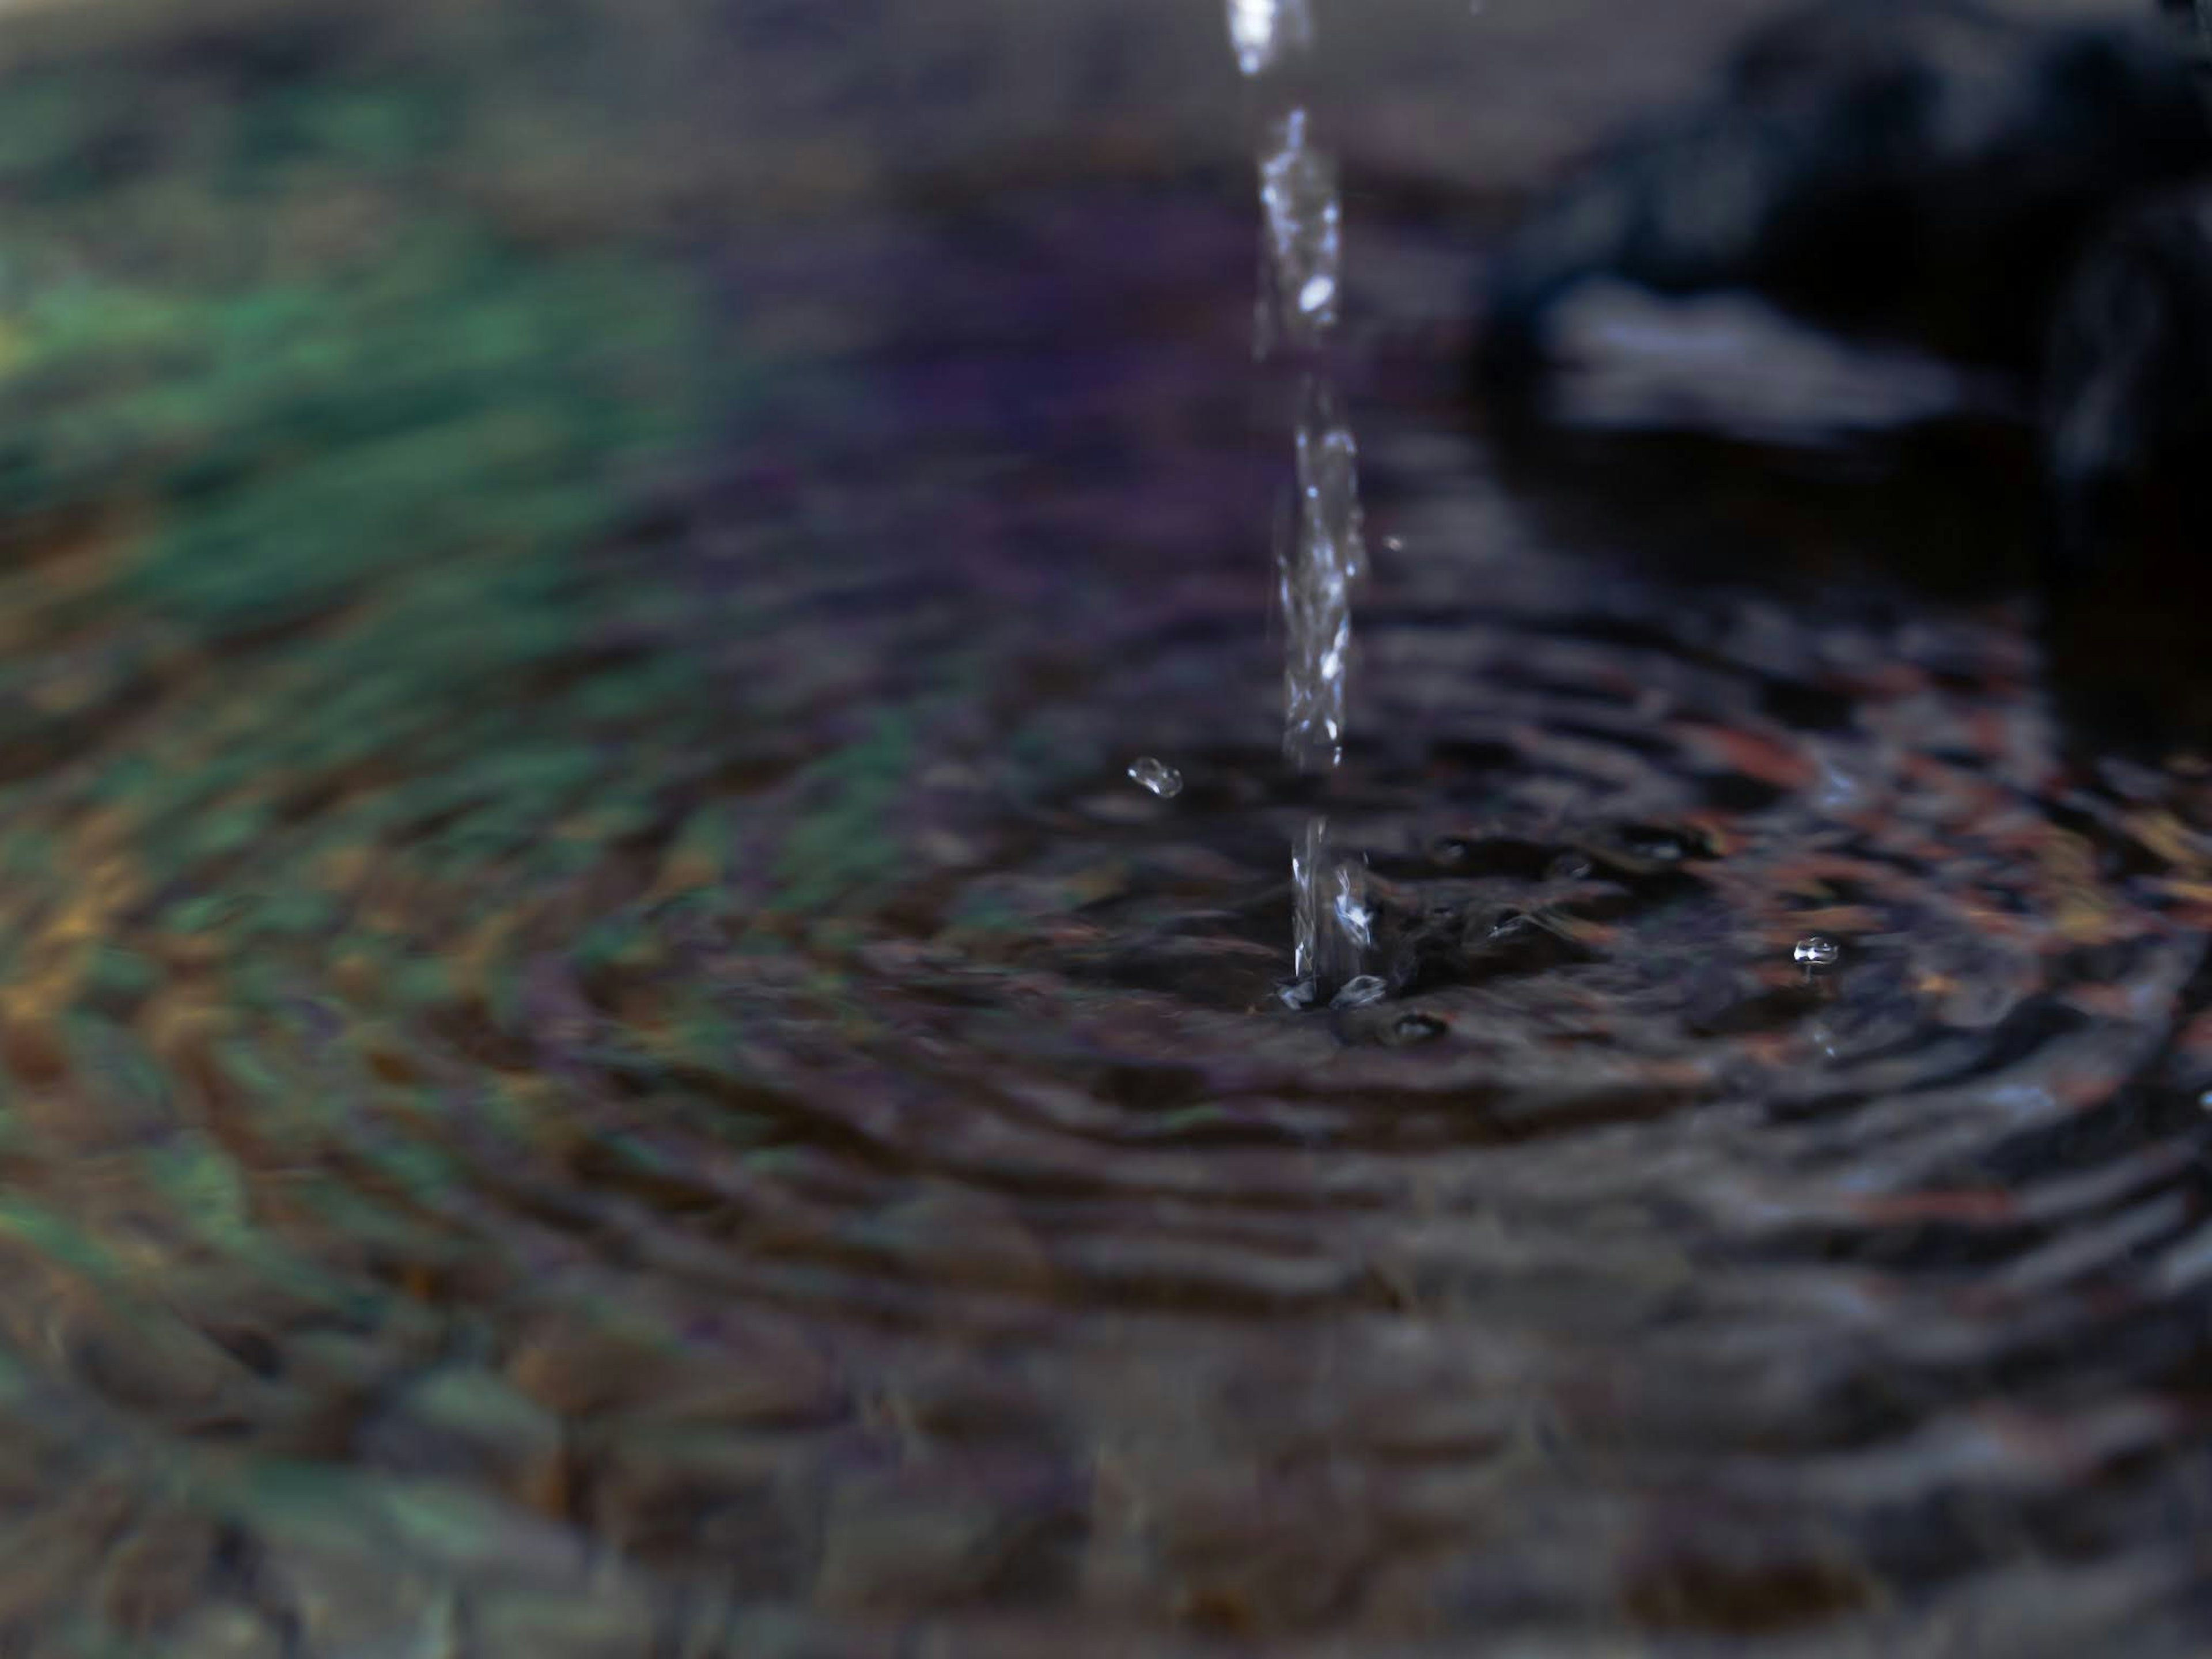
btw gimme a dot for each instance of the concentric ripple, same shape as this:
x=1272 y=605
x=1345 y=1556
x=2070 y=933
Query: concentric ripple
x=661 y=1079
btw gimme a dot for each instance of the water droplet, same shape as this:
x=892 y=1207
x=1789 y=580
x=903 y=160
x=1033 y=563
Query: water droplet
x=1298 y=994
x=1263 y=30
x=1817 y=953
x=1158 y=776
x=1360 y=993
x=2204 y=1100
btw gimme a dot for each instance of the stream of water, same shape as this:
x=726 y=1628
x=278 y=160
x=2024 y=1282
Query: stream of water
x=1320 y=552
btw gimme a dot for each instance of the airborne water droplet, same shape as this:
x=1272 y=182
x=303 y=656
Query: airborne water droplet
x=1158 y=776
x=1817 y=952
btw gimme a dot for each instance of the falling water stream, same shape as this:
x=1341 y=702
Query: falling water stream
x=1320 y=553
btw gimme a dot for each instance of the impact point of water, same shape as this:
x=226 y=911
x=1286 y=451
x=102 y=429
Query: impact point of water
x=1361 y=992
x=1352 y=917
x=1817 y=953
x=1158 y=776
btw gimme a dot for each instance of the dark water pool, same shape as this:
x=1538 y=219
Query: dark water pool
x=623 y=1071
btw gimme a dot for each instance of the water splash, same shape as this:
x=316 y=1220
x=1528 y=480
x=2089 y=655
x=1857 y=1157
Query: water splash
x=1330 y=925
x=1352 y=918
x=1361 y=992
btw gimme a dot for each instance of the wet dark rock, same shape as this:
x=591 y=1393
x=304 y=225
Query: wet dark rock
x=2013 y=194
x=2127 y=417
x=1920 y=169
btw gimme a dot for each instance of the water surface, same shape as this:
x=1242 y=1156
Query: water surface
x=603 y=1057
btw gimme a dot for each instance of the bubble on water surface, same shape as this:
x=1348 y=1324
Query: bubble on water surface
x=1815 y=952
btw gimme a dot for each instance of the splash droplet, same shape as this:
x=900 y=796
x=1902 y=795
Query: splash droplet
x=1360 y=993
x=1158 y=776
x=1298 y=994
x=1817 y=953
